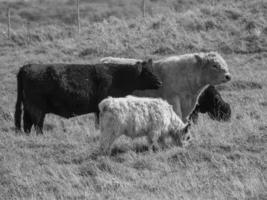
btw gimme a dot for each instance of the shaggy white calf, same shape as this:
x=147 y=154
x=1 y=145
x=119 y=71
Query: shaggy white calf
x=136 y=117
x=184 y=77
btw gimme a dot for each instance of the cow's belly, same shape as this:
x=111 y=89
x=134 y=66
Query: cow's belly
x=71 y=107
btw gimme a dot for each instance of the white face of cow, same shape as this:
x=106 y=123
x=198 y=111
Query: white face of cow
x=214 y=68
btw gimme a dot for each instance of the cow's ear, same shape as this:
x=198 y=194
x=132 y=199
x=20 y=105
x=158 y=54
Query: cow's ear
x=139 y=66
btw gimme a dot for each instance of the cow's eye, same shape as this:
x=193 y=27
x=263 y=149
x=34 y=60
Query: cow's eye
x=214 y=66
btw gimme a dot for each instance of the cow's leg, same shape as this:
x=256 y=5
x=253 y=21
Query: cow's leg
x=40 y=123
x=27 y=121
x=37 y=117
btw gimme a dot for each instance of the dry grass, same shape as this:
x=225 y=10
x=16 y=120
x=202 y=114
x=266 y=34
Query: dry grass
x=225 y=160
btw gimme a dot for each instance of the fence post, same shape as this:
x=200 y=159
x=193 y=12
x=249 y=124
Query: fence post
x=78 y=16
x=8 y=25
x=144 y=8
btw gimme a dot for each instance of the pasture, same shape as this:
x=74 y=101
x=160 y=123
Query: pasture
x=226 y=160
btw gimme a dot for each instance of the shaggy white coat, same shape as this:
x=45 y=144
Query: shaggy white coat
x=184 y=77
x=137 y=117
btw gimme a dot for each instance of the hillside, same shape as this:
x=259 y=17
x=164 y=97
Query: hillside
x=226 y=160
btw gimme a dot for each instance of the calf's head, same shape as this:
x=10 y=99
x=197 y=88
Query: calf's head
x=183 y=136
x=214 y=69
x=146 y=78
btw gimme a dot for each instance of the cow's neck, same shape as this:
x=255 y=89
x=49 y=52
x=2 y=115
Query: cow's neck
x=196 y=85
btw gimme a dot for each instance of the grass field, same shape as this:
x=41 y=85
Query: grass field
x=225 y=160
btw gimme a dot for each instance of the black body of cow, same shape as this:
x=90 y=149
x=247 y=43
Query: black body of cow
x=69 y=90
x=211 y=102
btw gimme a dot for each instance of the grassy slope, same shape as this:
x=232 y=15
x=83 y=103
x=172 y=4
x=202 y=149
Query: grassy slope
x=225 y=161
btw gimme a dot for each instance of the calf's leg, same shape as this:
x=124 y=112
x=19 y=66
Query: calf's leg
x=152 y=139
x=162 y=142
x=106 y=141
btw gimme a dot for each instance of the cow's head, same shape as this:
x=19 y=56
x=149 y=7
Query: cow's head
x=211 y=102
x=213 y=67
x=221 y=111
x=146 y=78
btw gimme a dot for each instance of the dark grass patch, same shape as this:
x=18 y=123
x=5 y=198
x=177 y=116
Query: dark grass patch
x=255 y=139
x=180 y=159
x=142 y=164
x=118 y=150
x=264 y=103
x=254 y=115
x=225 y=148
x=234 y=156
x=240 y=85
x=140 y=148
x=80 y=158
x=10 y=186
x=254 y=149
x=263 y=127
x=88 y=169
x=137 y=148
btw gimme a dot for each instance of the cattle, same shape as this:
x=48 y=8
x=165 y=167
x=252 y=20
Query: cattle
x=136 y=117
x=211 y=102
x=184 y=77
x=69 y=90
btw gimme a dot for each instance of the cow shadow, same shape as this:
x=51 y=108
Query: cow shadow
x=137 y=148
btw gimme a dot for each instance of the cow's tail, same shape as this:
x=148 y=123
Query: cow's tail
x=19 y=100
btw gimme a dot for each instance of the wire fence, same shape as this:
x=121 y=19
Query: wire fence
x=32 y=19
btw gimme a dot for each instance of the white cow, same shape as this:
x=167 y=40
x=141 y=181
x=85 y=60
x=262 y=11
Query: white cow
x=184 y=77
x=136 y=117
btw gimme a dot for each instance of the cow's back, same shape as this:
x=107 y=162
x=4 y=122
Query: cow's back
x=67 y=90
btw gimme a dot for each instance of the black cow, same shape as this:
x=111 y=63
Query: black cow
x=211 y=102
x=69 y=90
